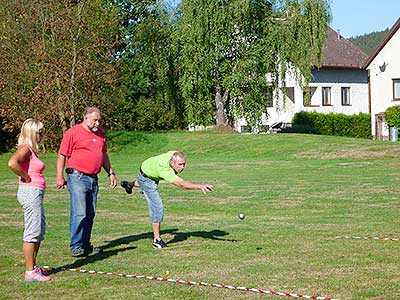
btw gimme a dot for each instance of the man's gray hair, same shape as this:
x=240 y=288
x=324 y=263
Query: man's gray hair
x=90 y=110
x=177 y=155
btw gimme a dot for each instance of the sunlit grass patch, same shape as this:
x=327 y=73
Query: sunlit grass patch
x=298 y=193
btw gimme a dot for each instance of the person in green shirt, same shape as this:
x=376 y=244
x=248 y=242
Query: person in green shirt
x=165 y=166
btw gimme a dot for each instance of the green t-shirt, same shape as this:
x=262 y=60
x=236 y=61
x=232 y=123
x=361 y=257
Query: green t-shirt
x=158 y=167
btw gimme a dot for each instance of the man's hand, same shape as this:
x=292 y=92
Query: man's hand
x=113 y=180
x=60 y=182
x=206 y=188
x=192 y=186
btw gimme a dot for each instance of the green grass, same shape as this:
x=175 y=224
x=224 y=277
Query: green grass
x=298 y=193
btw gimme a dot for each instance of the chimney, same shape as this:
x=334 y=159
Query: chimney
x=338 y=34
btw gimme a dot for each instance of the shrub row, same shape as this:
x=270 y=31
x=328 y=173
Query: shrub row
x=332 y=124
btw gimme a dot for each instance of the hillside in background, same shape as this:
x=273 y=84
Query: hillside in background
x=368 y=42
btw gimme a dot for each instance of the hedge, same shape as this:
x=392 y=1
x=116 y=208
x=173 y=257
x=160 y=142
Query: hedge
x=333 y=124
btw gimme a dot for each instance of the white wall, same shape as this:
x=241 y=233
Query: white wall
x=381 y=82
x=358 y=99
x=283 y=108
x=356 y=79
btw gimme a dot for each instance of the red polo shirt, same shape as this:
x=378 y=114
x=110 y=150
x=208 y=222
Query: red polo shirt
x=84 y=149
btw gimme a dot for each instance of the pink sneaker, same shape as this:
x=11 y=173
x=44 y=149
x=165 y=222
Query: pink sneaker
x=40 y=270
x=36 y=276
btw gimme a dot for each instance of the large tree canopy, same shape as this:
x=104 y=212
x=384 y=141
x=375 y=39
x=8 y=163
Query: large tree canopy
x=152 y=97
x=56 y=58
x=148 y=65
x=230 y=46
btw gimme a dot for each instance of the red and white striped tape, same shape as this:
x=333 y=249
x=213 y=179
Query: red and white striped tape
x=189 y=282
x=369 y=238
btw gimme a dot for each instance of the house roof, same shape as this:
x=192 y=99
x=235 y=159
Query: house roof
x=382 y=44
x=339 y=52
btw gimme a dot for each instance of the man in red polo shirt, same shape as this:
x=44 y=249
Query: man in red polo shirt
x=83 y=148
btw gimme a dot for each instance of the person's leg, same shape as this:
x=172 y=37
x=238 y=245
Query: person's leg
x=31 y=199
x=29 y=255
x=77 y=186
x=91 y=203
x=42 y=228
x=154 y=201
x=27 y=197
x=149 y=188
x=33 y=272
x=158 y=242
x=35 y=252
x=156 y=210
x=156 y=230
x=35 y=265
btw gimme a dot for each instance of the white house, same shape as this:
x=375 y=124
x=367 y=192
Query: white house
x=340 y=85
x=383 y=67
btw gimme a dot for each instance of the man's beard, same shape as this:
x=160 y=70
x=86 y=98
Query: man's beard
x=92 y=128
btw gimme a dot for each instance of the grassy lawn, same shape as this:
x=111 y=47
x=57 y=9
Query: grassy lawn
x=298 y=193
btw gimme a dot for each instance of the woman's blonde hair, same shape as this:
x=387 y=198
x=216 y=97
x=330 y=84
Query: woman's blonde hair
x=29 y=131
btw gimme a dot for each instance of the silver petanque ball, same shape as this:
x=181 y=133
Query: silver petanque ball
x=241 y=216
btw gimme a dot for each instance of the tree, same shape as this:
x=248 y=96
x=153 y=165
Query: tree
x=152 y=98
x=231 y=47
x=57 y=57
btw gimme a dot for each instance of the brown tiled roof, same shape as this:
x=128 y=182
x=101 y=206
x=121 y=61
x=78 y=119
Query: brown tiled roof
x=339 y=52
x=382 y=44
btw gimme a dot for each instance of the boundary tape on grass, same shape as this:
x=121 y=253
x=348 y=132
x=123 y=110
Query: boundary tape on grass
x=189 y=282
x=369 y=238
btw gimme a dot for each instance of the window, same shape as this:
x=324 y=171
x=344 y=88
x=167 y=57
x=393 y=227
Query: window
x=290 y=93
x=396 y=89
x=345 y=96
x=326 y=96
x=308 y=93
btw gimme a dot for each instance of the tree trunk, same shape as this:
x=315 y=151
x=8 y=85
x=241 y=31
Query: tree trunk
x=61 y=112
x=220 y=102
x=75 y=39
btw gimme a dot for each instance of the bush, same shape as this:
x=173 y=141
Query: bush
x=117 y=140
x=392 y=116
x=299 y=128
x=146 y=114
x=334 y=124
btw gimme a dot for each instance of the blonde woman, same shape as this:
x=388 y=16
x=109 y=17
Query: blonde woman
x=29 y=168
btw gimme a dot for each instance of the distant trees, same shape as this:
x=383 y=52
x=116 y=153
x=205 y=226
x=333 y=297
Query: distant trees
x=368 y=42
x=56 y=57
x=148 y=65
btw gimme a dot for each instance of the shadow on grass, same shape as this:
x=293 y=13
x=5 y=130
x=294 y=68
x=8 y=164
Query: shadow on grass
x=212 y=235
x=89 y=259
x=178 y=237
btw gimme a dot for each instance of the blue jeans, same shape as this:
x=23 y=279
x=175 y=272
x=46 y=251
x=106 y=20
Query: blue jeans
x=83 y=191
x=149 y=188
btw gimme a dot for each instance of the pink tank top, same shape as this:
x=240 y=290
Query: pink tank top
x=34 y=168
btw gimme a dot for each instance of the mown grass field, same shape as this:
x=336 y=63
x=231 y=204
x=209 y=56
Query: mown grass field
x=298 y=192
